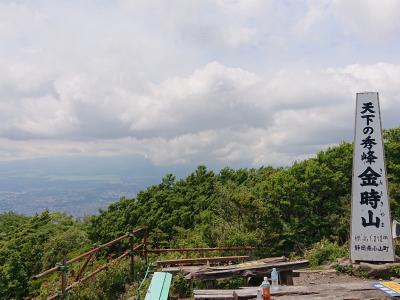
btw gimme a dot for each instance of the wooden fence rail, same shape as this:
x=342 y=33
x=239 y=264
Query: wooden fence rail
x=90 y=255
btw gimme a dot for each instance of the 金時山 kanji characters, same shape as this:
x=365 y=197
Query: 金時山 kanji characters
x=370 y=198
x=369 y=177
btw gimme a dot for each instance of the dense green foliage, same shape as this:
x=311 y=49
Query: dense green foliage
x=27 y=249
x=109 y=285
x=325 y=252
x=278 y=210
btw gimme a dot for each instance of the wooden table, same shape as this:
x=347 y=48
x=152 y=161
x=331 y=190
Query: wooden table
x=253 y=269
x=349 y=291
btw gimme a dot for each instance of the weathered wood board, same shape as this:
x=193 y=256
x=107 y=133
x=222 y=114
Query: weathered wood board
x=350 y=291
x=187 y=270
x=250 y=269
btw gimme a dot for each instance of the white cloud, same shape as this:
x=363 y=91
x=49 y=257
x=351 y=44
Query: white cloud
x=236 y=36
x=215 y=114
x=244 y=8
x=212 y=97
x=316 y=12
x=179 y=82
x=369 y=19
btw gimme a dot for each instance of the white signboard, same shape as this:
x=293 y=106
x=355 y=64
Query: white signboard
x=371 y=236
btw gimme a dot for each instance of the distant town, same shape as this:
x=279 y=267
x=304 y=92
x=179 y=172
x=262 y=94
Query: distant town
x=78 y=186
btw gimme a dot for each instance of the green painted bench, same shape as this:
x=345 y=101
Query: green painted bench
x=159 y=286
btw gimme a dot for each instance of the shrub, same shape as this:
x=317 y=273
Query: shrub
x=106 y=285
x=346 y=269
x=231 y=283
x=181 y=286
x=325 y=251
x=396 y=271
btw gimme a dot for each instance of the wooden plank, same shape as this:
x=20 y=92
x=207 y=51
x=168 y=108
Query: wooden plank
x=159 y=286
x=155 y=288
x=258 y=270
x=352 y=290
x=244 y=265
x=199 y=261
x=213 y=294
x=254 y=263
x=166 y=286
x=193 y=269
x=214 y=297
x=184 y=269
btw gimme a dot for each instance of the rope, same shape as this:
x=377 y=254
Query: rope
x=145 y=276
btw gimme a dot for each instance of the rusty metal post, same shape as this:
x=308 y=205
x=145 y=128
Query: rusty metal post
x=82 y=269
x=131 y=256
x=64 y=266
x=108 y=258
x=145 y=245
x=63 y=269
x=200 y=249
x=132 y=260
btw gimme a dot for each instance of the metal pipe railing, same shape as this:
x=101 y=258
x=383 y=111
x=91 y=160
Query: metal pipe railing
x=63 y=268
x=200 y=249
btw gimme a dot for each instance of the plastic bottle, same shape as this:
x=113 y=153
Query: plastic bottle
x=274 y=280
x=266 y=289
x=259 y=294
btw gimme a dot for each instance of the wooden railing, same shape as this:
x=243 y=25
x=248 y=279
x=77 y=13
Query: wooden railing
x=89 y=256
x=67 y=284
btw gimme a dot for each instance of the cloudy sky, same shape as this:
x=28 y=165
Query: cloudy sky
x=246 y=82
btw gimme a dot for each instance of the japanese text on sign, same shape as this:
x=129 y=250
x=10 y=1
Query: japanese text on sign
x=371 y=238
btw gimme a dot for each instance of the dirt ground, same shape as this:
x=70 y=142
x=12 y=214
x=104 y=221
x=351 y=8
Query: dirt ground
x=311 y=277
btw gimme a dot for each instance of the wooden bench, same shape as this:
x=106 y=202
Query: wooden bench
x=159 y=286
x=255 y=270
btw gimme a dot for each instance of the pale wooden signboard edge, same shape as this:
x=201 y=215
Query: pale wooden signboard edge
x=381 y=144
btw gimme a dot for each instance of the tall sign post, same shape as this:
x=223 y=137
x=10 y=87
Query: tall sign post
x=371 y=233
